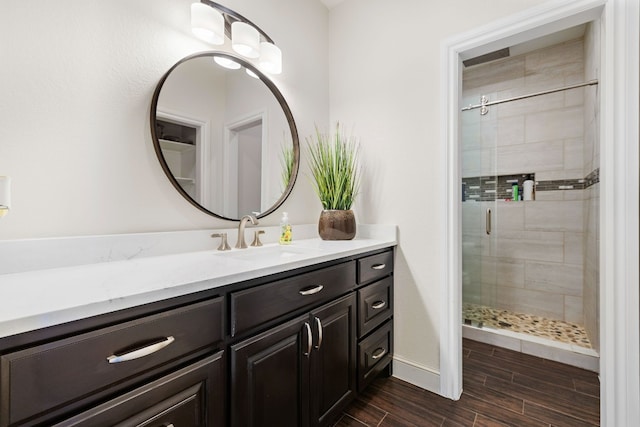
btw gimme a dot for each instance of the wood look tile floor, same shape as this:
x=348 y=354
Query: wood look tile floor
x=501 y=388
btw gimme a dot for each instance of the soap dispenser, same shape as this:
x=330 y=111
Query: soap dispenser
x=285 y=230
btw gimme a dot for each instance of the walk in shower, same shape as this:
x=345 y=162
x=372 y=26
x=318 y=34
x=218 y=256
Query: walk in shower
x=530 y=264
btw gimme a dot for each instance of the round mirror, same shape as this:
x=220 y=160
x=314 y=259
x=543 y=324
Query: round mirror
x=225 y=136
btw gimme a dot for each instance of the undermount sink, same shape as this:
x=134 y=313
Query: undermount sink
x=269 y=253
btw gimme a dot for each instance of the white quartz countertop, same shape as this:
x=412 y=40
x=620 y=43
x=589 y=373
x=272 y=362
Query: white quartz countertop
x=40 y=298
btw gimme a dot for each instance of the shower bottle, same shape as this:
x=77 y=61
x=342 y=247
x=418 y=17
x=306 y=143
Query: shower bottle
x=527 y=188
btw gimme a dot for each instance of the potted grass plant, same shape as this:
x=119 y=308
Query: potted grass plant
x=333 y=161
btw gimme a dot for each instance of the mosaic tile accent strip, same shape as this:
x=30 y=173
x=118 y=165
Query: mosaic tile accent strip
x=556 y=330
x=490 y=188
x=560 y=184
x=592 y=178
x=499 y=187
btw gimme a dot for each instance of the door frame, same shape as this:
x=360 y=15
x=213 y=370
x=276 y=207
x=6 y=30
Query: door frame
x=230 y=160
x=203 y=150
x=619 y=219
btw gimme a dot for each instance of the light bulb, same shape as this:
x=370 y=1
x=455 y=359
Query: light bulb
x=245 y=39
x=207 y=23
x=270 y=58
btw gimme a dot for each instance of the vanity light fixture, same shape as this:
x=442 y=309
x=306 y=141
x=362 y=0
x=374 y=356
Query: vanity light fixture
x=246 y=38
x=5 y=195
x=270 y=58
x=207 y=23
x=251 y=73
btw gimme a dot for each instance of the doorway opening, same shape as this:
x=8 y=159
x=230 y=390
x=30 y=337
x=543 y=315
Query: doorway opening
x=530 y=163
x=243 y=160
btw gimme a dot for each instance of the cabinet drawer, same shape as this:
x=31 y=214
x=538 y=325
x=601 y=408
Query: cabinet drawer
x=252 y=307
x=374 y=354
x=48 y=376
x=375 y=266
x=374 y=305
x=192 y=396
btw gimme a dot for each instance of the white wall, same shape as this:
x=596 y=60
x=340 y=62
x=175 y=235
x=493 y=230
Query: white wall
x=385 y=82
x=75 y=90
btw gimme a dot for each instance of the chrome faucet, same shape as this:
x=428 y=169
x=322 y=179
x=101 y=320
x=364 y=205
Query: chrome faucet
x=241 y=244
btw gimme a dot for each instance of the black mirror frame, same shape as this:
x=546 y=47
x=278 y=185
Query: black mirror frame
x=283 y=105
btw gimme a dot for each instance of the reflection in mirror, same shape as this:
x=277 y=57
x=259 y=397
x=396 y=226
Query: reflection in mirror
x=225 y=139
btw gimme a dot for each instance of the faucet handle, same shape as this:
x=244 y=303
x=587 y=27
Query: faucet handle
x=224 y=246
x=256 y=238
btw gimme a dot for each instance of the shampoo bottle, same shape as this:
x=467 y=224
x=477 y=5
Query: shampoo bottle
x=527 y=188
x=514 y=192
x=285 y=230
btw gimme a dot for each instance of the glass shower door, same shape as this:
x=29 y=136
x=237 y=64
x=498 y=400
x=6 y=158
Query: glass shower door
x=479 y=220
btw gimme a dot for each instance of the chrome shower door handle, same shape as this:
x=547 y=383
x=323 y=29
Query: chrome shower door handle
x=488 y=221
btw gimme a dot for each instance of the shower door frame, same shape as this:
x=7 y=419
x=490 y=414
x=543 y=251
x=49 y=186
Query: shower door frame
x=619 y=219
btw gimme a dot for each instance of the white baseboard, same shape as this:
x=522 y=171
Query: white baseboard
x=417 y=375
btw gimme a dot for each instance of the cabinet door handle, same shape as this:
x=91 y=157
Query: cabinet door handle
x=378 y=305
x=309 y=339
x=312 y=290
x=319 y=325
x=378 y=266
x=488 y=220
x=141 y=352
x=378 y=353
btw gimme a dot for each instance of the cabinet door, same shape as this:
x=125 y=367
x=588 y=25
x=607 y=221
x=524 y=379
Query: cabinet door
x=191 y=396
x=270 y=377
x=333 y=360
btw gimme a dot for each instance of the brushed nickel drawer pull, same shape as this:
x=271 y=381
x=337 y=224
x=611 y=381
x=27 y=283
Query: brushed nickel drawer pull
x=378 y=353
x=309 y=339
x=311 y=291
x=319 y=325
x=141 y=352
x=378 y=305
x=378 y=266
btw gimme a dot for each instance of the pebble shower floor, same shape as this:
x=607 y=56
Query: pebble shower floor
x=556 y=330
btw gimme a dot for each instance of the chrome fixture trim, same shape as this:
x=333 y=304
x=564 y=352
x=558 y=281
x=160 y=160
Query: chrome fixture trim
x=141 y=352
x=241 y=243
x=485 y=103
x=378 y=305
x=319 y=325
x=224 y=245
x=311 y=291
x=256 y=238
x=488 y=221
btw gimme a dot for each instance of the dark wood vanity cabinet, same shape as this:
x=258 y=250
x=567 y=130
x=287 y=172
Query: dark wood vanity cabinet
x=191 y=396
x=292 y=349
x=375 y=316
x=46 y=381
x=300 y=373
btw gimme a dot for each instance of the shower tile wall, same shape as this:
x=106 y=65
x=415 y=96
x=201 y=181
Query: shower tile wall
x=533 y=260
